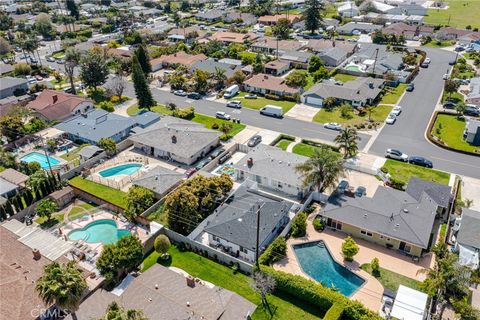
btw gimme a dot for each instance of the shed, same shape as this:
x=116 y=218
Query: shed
x=409 y=304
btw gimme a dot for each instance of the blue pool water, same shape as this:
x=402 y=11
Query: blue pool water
x=126 y=169
x=40 y=158
x=316 y=261
x=104 y=231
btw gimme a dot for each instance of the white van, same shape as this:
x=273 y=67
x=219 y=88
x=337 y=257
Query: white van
x=273 y=111
x=231 y=91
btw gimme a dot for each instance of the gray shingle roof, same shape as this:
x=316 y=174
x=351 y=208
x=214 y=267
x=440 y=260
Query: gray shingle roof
x=211 y=14
x=469 y=232
x=441 y=194
x=358 y=89
x=365 y=27
x=159 y=179
x=6 y=187
x=89 y=151
x=8 y=82
x=389 y=212
x=236 y=221
x=210 y=66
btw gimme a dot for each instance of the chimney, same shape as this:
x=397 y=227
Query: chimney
x=370 y=85
x=36 y=254
x=55 y=98
x=250 y=162
x=174 y=139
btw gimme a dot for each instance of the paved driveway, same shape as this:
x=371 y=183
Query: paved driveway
x=302 y=112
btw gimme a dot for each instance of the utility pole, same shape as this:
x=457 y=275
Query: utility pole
x=375 y=61
x=257 y=249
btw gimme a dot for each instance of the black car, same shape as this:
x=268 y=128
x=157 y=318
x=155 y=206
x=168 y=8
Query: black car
x=471 y=111
x=452 y=62
x=420 y=161
x=194 y=95
x=216 y=153
x=410 y=87
x=256 y=139
x=449 y=105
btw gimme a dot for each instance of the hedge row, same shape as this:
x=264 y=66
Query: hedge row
x=282 y=137
x=274 y=252
x=318 y=144
x=335 y=312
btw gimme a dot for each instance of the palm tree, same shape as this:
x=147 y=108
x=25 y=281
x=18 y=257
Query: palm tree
x=72 y=60
x=347 y=141
x=220 y=77
x=62 y=285
x=322 y=169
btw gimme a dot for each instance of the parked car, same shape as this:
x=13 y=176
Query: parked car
x=420 y=161
x=222 y=115
x=396 y=155
x=449 y=105
x=410 y=87
x=33 y=60
x=360 y=192
x=452 y=62
x=273 y=111
x=202 y=163
x=231 y=91
x=333 y=126
x=445 y=76
x=180 y=93
x=224 y=158
x=256 y=139
x=396 y=110
x=427 y=60
x=459 y=48
x=31 y=80
x=391 y=119
x=342 y=187
x=424 y=65
x=194 y=95
x=216 y=152
x=39 y=77
x=471 y=111
x=250 y=96
x=234 y=104
x=190 y=172
x=60 y=61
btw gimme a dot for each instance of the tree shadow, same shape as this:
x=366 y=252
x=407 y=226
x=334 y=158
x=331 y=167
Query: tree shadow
x=166 y=262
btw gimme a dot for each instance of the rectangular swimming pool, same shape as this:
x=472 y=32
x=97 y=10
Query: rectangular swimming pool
x=316 y=261
x=40 y=158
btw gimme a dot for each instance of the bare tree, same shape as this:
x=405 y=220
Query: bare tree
x=264 y=284
x=116 y=86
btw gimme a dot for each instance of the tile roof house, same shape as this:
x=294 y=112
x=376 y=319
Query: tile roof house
x=273 y=169
x=269 y=45
x=179 y=58
x=407 y=30
x=159 y=180
x=468 y=238
x=277 y=67
x=396 y=219
x=273 y=19
x=52 y=105
x=10 y=85
x=228 y=37
x=470 y=38
x=232 y=226
x=358 y=92
x=266 y=84
x=176 y=139
x=165 y=294
x=120 y=52
x=211 y=65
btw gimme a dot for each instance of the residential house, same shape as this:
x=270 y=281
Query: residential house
x=63 y=196
x=473 y=37
x=408 y=9
x=408 y=31
x=13 y=86
x=122 y=52
x=14 y=176
x=399 y=220
x=348 y=9
x=7 y=189
x=473 y=96
x=52 y=105
x=273 y=169
x=175 y=59
x=187 y=34
x=232 y=227
x=333 y=53
x=227 y=37
x=89 y=152
x=296 y=59
x=359 y=92
x=271 y=20
x=231 y=62
x=450 y=33
x=7 y=104
x=266 y=84
x=468 y=239
x=375 y=6
x=386 y=61
x=177 y=140
x=161 y=293
x=214 y=15
x=270 y=45
x=5 y=68
x=246 y=19
x=384 y=19
x=277 y=67
x=159 y=180
x=211 y=66
x=93 y=125
x=472 y=132
x=351 y=27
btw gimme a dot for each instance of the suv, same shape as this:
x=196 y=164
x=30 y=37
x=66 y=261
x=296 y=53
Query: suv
x=222 y=115
x=471 y=111
x=396 y=154
x=342 y=187
x=410 y=87
x=234 y=104
x=194 y=95
x=256 y=139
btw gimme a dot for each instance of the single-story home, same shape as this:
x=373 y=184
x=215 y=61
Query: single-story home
x=273 y=169
x=359 y=92
x=176 y=139
x=232 y=227
x=269 y=45
x=271 y=20
x=277 y=67
x=468 y=238
x=186 y=34
x=179 y=58
x=227 y=37
x=52 y=105
x=408 y=31
x=159 y=180
x=211 y=66
x=10 y=86
x=399 y=220
x=473 y=37
x=14 y=176
x=450 y=33
x=121 y=52
x=409 y=9
x=266 y=84
x=362 y=27
x=472 y=132
x=210 y=15
x=246 y=19
x=376 y=6
x=297 y=59
x=89 y=152
x=7 y=189
x=348 y=9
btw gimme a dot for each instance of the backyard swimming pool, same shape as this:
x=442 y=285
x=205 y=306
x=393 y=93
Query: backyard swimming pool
x=40 y=158
x=104 y=231
x=316 y=261
x=125 y=169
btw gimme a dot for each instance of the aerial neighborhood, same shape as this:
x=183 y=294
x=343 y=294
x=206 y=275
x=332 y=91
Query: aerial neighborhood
x=234 y=160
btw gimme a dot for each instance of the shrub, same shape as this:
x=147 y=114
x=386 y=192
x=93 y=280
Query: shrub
x=349 y=248
x=335 y=312
x=22 y=69
x=185 y=113
x=107 y=106
x=375 y=265
x=396 y=184
x=318 y=224
x=115 y=99
x=162 y=244
x=215 y=126
x=274 y=252
x=299 y=225
x=272 y=97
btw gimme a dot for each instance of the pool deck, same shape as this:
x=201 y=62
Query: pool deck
x=370 y=294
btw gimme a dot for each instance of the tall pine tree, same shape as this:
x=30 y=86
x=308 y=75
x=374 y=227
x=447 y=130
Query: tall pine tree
x=73 y=9
x=313 y=15
x=144 y=60
x=142 y=90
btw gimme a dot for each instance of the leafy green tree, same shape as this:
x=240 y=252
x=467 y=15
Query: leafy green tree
x=177 y=81
x=322 y=170
x=275 y=251
x=345 y=111
x=93 y=70
x=258 y=66
x=72 y=9
x=37 y=179
x=315 y=63
x=220 y=78
x=375 y=265
x=225 y=128
x=22 y=69
x=144 y=60
x=43 y=24
x=139 y=199
x=6 y=21
x=297 y=78
x=238 y=77
x=162 y=244
x=46 y=208
x=451 y=86
x=62 y=285
x=299 y=225
x=347 y=140
x=73 y=56
x=108 y=145
x=281 y=29
x=5 y=46
x=115 y=312
x=118 y=259
x=329 y=103
x=320 y=74
x=142 y=90
x=460 y=108
x=33 y=167
x=11 y=127
x=349 y=248
x=200 y=81
x=7 y=160
x=313 y=15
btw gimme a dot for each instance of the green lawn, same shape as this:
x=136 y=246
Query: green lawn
x=208 y=121
x=310 y=82
x=73 y=155
x=392 y=280
x=159 y=216
x=284 y=307
x=449 y=129
x=392 y=94
x=439 y=44
x=283 y=144
x=114 y=196
x=460 y=14
x=344 y=77
x=132 y=110
x=456 y=96
x=379 y=114
x=304 y=149
x=261 y=102
x=80 y=210
x=402 y=171
x=55 y=219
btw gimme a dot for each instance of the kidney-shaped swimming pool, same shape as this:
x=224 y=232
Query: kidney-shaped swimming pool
x=104 y=231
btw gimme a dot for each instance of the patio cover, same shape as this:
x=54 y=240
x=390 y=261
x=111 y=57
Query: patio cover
x=409 y=304
x=468 y=257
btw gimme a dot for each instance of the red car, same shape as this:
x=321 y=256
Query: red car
x=190 y=172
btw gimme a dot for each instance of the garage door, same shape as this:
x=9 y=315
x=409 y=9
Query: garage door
x=314 y=101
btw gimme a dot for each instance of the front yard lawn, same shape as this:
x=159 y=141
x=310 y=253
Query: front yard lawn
x=455 y=97
x=392 y=280
x=160 y=108
x=285 y=307
x=208 y=121
x=439 y=44
x=344 y=77
x=379 y=114
x=261 y=102
x=449 y=129
x=402 y=171
x=114 y=196
x=392 y=95
x=307 y=150
x=283 y=144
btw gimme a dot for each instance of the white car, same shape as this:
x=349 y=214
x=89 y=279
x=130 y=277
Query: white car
x=50 y=59
x=445 y=76
x=396 y=154
x=396 y=111
x=333 y=126
x=391 y=119
x=222 y=115
x=427 y=60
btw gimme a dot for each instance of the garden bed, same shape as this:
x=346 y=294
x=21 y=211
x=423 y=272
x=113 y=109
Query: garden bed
x=402 y=172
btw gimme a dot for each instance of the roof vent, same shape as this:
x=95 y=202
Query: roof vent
x=405 y=210
x=174 y=139
x=55 y=98
x=365 y=215
x=397 y=225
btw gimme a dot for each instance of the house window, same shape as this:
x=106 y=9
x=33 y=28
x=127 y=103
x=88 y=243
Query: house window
x=407 y=248
x=366 y=233
x=215 y=238
x=242 y=249
x=280 y=185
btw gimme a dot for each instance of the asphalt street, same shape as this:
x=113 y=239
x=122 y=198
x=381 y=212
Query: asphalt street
x=408 y=132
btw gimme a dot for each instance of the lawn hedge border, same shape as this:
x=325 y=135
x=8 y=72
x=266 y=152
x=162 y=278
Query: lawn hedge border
x=335 y=312
x=437 y=142
x=319 y=144
x=282 y=137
